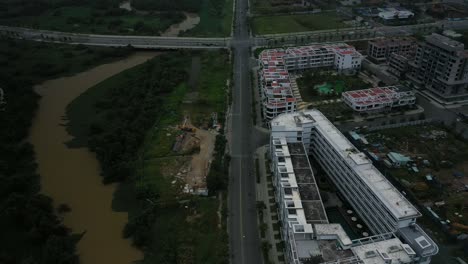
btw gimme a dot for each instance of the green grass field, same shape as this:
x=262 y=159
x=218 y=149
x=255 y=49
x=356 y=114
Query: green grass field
x=213 y=23
x=296 y=23
x=88 y=20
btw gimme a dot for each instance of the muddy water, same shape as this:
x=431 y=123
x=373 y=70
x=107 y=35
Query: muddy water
x=191 y=20
x=71 y=176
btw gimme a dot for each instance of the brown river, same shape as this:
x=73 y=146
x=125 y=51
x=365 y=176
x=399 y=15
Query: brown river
x=71 y=176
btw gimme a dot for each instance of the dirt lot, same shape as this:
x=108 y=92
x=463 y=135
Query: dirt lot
x=199 y=145
x=201 y=161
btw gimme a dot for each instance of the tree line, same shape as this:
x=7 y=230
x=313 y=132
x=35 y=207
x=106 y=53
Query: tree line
x=14 y=8
x=127 y=112
x=31 y=230
x=169 y=5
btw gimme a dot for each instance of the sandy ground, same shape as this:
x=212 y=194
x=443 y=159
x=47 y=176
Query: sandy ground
x=196 y=177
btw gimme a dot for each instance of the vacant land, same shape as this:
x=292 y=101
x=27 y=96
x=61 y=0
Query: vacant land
x=106 y=17
x=215 y=19
x=336 y=111
x=166 y=222
x=277 y=6
x=438 y=153
x=88 y=17
x=439 y=183
x=296 y=23
x=215 y=15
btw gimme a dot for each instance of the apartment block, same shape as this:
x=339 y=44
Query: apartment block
x=275 y=65
x=380 y=50
x=398 y=65
x=340 y=57
x=273 y=78
x=306 y=230
x=441 y=67
x=379 y=98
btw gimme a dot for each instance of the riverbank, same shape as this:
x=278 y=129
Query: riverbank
x=170 y=225
x=72 y=176
x=30 y=225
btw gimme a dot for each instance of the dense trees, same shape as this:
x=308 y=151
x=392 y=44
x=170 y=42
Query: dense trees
x=14 y=8
x=168 y=5
x=86 y=16
x=126 y=113
x=30 y=230
x=217 y=178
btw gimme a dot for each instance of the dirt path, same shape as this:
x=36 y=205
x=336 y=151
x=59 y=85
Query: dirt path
x=200 y=161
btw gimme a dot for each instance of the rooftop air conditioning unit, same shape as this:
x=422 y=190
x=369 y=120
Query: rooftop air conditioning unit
x=370 y=254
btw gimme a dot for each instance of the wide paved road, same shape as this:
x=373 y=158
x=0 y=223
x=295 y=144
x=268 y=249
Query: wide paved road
x=243 y=230
x=142 y=42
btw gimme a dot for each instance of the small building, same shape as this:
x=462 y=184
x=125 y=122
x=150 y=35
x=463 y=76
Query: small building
x=398 y=159
x=393 y=14
x=429 y=178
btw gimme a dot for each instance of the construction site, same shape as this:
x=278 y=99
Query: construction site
x=195 y=146
x=431 y=163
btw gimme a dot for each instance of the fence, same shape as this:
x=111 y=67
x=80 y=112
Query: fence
x=395 y=125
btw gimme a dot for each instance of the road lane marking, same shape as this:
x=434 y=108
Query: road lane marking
x=240 y=210
x=240 y=85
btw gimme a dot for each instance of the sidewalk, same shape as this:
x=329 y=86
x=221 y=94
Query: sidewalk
x=257 y=98
x=264 y=189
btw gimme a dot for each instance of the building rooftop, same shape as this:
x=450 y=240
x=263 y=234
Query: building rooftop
x=444 y=42
x=321 y=49
x=382 y=95
x=333 y=230
x=419 y=240
x=310 y=196
x=393 y=41
x=395 y=202
x=384 y=251
x=395 y=13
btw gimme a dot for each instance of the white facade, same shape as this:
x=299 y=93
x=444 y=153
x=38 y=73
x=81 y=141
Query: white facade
x=380 y=205
x=273 y=78
x=347 y=60
x=395 y=14
x=379 y=98
x=275 y=64
x=323 y=56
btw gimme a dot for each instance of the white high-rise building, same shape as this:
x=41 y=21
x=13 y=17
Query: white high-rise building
x=306 y=230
